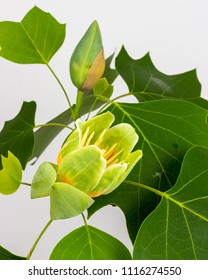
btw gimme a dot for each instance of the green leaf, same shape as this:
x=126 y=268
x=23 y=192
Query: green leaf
x=43 y=180
x=103 y=88
x=67 y=201
x=10 y=175
x=6 y=255
x=146 y=82
x=17 y=134
x=33 y=40
x=89 y=243
x=178 y=228
x=110 y=74
x=167 y=130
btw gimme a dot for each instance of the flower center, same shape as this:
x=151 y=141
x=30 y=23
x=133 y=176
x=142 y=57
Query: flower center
x=109 y=153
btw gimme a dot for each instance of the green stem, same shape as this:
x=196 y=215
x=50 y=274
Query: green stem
x=84 y=219
x=38 y=239
x=145 y=187
x=26 y=184
x=62 y=87
x=53 y=124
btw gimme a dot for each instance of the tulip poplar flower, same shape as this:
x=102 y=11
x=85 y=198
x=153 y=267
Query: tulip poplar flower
x=94 y=161
x=87 y=63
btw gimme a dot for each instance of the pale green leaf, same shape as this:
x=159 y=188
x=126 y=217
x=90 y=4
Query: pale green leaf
x=10 y=175
x=33 y=40
x=67 y=201
x=43 y=180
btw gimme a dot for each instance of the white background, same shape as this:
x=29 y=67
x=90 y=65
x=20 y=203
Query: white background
x=175 y=33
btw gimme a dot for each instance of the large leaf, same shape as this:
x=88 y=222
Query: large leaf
x=178 y=228
x=167 y=130
x=146 y=82
x=33 y=40
x=17 y=134
x=6 y=255
x=45 y=135
x=89 y=243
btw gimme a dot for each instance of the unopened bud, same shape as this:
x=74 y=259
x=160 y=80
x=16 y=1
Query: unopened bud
x=87 y=63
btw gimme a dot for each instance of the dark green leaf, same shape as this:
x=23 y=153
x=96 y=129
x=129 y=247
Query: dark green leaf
x=33 y=40
x=110 y=74
x=45 y=135
x=147 y=83
x=89 y=243
x=17 y=134
x=6 y=255
x=178 y=228
x=167 y=130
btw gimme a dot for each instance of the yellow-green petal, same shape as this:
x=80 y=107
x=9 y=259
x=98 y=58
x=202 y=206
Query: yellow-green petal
x=124 y=135
x=10 y=175
x=109 y=180
x=131 y=161
x=83 y=168
x=43 y=180
x=66 y=201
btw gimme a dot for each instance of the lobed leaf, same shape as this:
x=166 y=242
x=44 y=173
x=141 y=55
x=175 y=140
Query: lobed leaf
x=178 y=228
x=147 y=83
x=33 y=40
x=89 y=243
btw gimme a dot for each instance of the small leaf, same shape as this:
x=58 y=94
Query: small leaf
x=6 y=255
x=33 y=40
x=102 y=88
x=178 y=228
x=147 y=83
x=17 y=134
x=67 y=201
x=43 y=180
x=10 y=175
x=89 y=243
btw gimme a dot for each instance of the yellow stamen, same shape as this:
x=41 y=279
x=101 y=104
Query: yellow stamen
x=100 y=138
x=84 y=137
x=110 y=151
x=113 y=160
x=90 y=138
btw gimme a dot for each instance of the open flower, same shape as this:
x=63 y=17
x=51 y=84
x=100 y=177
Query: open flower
x=93 y=161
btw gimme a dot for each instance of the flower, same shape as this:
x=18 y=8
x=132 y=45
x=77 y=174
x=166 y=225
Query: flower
x=87 y=63
x=94 y=161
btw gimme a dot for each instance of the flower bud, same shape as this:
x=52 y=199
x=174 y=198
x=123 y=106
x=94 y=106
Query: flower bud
x=87 y=63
